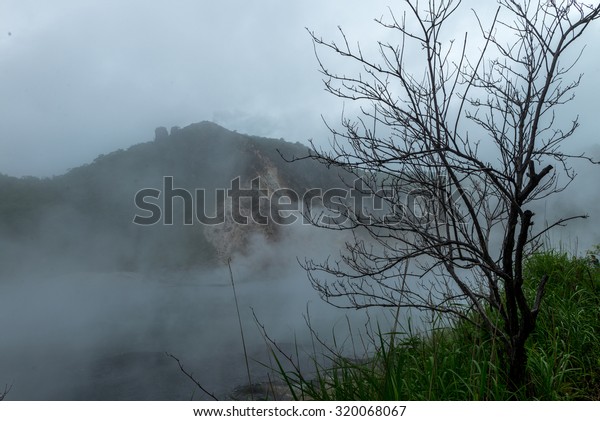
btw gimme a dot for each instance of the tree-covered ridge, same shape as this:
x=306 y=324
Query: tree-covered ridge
x=89 y=210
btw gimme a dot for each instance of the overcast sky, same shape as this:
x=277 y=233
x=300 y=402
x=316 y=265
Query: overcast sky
x=81 y=78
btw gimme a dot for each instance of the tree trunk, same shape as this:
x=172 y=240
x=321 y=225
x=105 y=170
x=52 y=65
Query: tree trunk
x=518 y=376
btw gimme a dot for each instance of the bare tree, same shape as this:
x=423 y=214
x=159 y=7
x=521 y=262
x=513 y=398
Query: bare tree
x=455 y=158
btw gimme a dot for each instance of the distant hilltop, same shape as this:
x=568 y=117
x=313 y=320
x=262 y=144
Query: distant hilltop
x=87 y=214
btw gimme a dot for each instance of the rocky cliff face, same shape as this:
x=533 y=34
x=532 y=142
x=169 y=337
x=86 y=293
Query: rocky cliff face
x=231 y=236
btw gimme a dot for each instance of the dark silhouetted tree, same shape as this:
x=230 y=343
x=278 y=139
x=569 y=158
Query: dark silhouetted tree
x=456 y=144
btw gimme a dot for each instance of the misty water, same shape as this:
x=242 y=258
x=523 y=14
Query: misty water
x=103 y=335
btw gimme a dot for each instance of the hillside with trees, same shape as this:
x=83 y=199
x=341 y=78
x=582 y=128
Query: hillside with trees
x=85 y=216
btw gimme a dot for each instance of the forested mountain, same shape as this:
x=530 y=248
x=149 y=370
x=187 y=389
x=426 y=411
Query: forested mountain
x=86 y=215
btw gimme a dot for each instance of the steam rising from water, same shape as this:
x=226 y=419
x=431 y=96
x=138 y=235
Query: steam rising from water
x=73 y=334
x=103 y=335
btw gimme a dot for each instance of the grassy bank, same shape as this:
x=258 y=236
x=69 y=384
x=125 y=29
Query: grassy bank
x=461 y=363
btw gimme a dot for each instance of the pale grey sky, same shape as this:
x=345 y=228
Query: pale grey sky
x=81 y=78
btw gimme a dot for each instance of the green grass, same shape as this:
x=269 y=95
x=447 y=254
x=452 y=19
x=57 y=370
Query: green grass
x=461 y=363
x=564 y=351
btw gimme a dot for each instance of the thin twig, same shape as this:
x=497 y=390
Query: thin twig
x=190 y=376
x=6 y=390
